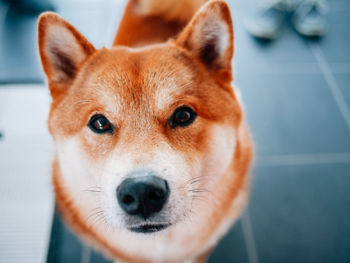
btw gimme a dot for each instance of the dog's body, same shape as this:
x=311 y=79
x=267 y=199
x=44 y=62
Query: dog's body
x=157 y=106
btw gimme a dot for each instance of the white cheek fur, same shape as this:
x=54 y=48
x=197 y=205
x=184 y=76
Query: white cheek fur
x=221 y=151
x=76 y=172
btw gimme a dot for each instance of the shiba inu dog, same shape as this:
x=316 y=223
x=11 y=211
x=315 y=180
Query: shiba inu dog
x=152 y=151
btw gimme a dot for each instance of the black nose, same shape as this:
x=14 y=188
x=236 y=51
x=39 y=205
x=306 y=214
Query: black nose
x=143 y=195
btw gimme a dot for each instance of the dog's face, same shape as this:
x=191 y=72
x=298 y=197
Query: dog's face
x=144 y=136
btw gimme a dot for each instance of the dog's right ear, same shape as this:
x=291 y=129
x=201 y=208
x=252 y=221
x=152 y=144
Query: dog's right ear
x=209 y=37
x=62 y=50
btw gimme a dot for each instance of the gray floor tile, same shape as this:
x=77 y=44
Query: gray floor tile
x=98 y=258
x=336 y=43
x=231 y=248
x=299 y=213
x=64 y=246
x=70 y=247
x=343 y=81
x=292 y=114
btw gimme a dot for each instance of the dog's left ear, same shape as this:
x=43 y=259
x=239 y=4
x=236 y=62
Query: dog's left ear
x=209 y=36
x=62 y=50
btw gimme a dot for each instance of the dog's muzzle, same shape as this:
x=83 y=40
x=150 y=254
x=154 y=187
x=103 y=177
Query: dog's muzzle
x=143 y=195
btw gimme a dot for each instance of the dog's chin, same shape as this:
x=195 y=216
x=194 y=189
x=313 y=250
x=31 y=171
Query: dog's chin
x=148 y=228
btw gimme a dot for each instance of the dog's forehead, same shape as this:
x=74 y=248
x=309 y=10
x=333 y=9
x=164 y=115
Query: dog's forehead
x=154 y=75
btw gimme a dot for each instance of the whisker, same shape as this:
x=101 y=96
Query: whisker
x=94 y=215
x=94 y=187
x=200 y=190
x=99 y=219
x=197 y=178
x=199 y=198
x=204 y=178
x=92 y=191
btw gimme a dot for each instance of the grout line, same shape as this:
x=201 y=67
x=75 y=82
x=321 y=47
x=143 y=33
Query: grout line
x=332 y=84
x=296 y=159
x=85 y=254
x=249 y=238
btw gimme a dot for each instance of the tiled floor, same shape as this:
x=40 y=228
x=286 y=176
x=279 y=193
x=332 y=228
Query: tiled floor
x=297 y=98
x=299 y=213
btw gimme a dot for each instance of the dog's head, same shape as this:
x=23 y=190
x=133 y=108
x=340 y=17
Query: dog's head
x=149 y=133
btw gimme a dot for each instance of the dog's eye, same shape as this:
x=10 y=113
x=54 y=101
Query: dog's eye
x=100 y=124
x=182 y=116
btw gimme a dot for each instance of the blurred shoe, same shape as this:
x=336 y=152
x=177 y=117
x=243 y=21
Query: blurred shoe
x=268 y=20
x=310 y=18
x=31 y=7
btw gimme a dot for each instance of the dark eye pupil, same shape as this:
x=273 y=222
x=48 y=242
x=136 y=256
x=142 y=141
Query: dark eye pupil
x=182 y=116
x=100 y=124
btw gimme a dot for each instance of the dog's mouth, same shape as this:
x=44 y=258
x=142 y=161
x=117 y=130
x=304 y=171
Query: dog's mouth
x=148 y=228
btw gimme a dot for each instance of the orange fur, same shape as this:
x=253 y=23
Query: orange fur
x=169 y=10
x=137 y=90
x=150 y=28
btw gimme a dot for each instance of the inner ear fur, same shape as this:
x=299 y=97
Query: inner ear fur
x=209 y=36
x=62 y=50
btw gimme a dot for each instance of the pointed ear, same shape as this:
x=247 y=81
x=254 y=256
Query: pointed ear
x=62 y=50
x=209 y=36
